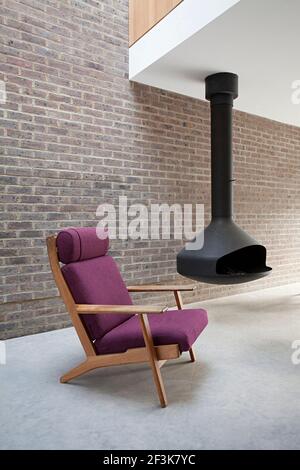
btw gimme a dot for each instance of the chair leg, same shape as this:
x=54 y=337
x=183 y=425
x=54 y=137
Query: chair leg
x=154 y=363
x=192 y=355
x=76 y=372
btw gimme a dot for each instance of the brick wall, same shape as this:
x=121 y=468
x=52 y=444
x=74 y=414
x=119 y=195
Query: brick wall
x=75 y=133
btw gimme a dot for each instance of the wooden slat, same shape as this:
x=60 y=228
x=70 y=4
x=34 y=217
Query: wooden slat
x=160 y=288
x=179 y=304
x=126 y=309
x=131 y=356
x=167 y=352
x=154 y=361
x=144 y=14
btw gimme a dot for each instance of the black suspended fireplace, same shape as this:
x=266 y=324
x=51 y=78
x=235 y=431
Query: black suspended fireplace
x=229 y=255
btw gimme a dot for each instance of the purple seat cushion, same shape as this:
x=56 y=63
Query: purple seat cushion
x=97 y=281
x=78 y=244
x=180 y=327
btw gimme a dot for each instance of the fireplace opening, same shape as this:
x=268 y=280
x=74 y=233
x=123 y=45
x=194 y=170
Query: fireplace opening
x=247 y=260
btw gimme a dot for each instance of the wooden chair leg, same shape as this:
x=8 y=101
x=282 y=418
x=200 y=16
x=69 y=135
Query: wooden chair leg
x=192 y=355
x=76 y=371
x=179 y=304
x=154 y=363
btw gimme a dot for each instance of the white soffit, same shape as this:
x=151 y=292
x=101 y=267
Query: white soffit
x=257 y=39
x=188 y=18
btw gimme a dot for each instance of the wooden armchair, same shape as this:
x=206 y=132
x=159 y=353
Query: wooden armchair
x=111 y=329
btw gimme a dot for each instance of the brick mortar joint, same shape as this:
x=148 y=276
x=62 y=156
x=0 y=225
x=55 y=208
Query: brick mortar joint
x=26 y=301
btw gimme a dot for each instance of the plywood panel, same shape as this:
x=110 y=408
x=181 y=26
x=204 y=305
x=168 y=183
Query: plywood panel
x=144 y=14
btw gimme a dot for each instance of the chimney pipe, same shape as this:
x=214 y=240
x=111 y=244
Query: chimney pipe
x=221 y=90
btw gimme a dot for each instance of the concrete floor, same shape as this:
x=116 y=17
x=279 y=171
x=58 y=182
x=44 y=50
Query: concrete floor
x=242 y=393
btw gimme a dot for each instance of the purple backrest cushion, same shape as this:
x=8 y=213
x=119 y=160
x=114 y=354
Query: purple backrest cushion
x=92 y=279
x=77 y=244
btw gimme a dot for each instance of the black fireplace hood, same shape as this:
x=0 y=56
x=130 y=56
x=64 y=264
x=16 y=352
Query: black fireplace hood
x=229 y=255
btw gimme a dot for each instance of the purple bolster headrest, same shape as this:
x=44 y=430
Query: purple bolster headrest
x=78 y=244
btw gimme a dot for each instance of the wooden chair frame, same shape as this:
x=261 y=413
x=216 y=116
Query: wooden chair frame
x=155 y=355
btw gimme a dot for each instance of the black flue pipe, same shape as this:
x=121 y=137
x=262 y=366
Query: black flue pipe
x=221 y=90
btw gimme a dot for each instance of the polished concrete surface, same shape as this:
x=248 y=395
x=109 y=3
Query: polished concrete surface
x=242 y=393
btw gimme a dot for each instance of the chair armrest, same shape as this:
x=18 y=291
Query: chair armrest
x=160 y=288
x=126 y=309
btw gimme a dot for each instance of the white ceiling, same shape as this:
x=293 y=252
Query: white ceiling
x=257 y=39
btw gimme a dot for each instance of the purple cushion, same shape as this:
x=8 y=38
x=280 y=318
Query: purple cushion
x=97 y=281
x=173 y=327
x=77 y=244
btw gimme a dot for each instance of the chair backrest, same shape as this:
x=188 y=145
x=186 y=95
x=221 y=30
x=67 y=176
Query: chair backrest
x=92 y=277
